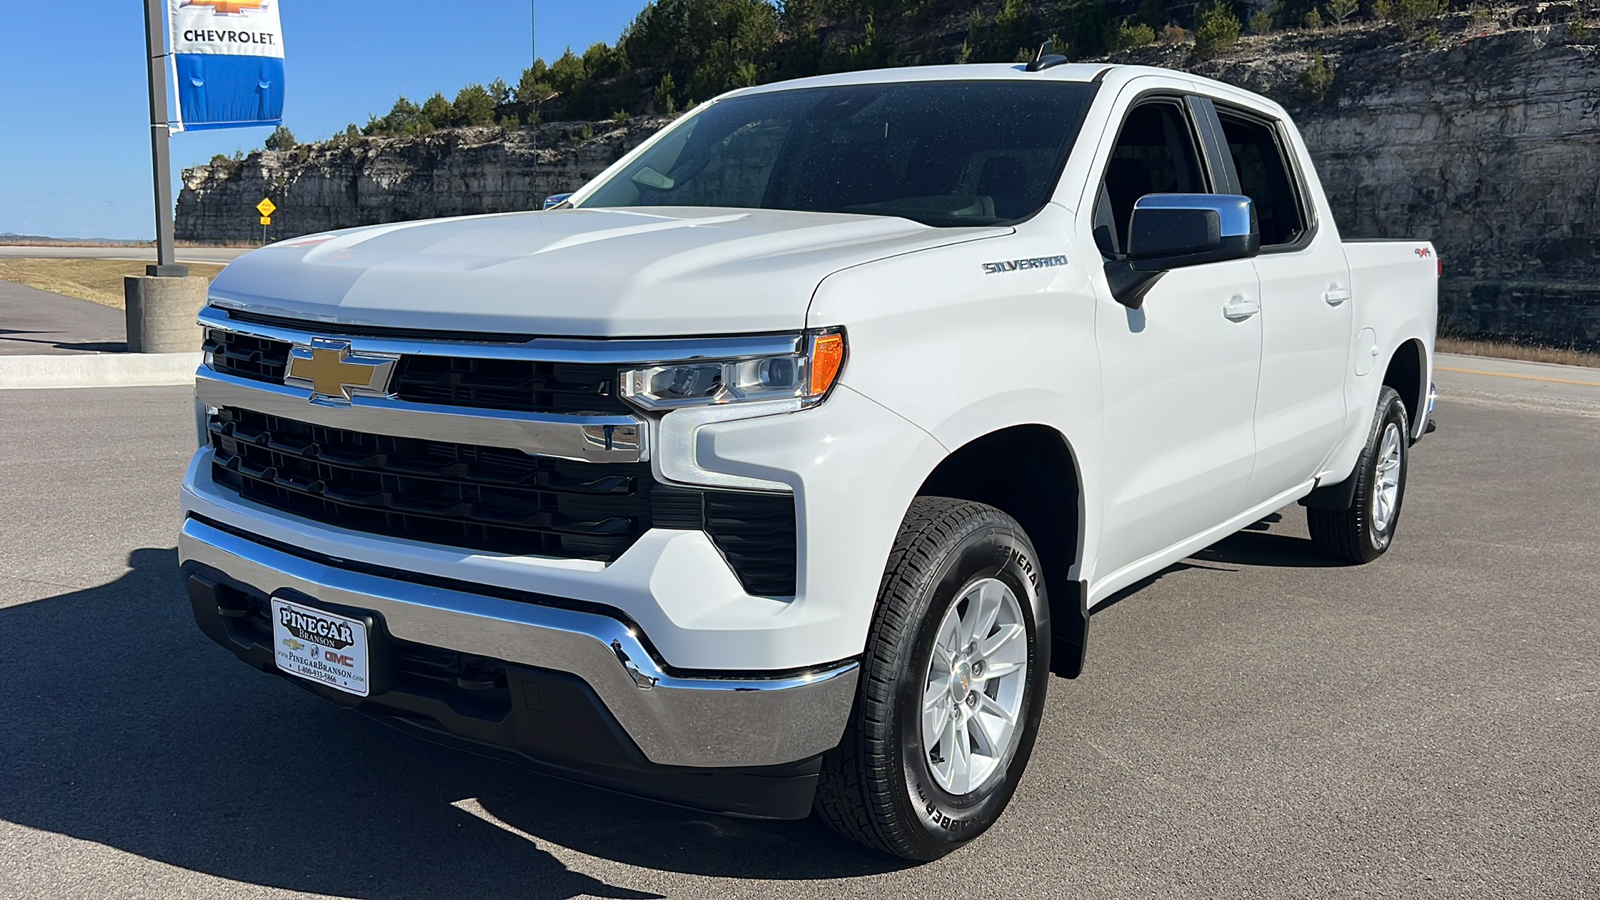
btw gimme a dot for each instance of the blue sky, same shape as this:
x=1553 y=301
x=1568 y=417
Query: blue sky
x=74 y=116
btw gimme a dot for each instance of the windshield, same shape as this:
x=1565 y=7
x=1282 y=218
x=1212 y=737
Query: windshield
x=944 y=153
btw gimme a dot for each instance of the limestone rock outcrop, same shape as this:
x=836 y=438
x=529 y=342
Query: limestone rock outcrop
x=1488 y=145
x=345 y=183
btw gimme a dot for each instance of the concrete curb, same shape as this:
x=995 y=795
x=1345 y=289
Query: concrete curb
x=97 y=370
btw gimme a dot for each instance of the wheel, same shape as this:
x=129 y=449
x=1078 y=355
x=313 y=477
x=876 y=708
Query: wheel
x=1363 y=532
x=952 y=685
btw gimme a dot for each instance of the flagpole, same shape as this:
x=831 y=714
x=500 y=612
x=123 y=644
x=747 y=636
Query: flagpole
x=160 y=152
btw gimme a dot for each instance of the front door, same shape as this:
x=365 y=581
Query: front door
x=1179 y=374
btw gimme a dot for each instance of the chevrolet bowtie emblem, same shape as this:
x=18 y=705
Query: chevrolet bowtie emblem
x=226 y=6
x=334 y=374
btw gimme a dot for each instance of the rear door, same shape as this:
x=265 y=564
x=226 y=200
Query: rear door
x=1305 y=306
x=1179 y=374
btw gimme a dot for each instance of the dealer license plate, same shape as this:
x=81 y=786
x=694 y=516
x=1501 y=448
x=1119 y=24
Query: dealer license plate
x=320 y=646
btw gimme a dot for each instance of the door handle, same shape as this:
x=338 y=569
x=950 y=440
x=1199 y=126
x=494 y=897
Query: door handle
x=1336 y=296
x=1240 y=308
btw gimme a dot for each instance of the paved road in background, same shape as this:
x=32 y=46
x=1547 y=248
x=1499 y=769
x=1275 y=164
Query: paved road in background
x=217 y=255
x=35 y=322
x=1544 y=386
x=1253 y=722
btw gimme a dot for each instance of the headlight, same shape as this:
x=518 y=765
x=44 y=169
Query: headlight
x=806 y=376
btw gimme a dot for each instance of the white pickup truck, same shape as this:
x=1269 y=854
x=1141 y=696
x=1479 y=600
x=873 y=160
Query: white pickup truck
x=779 y=467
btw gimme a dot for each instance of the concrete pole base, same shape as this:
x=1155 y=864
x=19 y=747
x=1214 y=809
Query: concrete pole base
x=161 y=313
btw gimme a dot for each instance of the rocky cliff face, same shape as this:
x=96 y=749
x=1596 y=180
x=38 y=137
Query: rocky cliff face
x=1488 y=144
x=345 y=183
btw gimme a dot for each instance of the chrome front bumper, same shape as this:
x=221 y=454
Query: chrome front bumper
x=675 y=720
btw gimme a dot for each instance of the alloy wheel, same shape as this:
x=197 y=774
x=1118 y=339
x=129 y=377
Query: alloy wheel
x=976 y=682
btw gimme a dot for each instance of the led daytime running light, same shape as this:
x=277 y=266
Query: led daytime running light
x=806 y=376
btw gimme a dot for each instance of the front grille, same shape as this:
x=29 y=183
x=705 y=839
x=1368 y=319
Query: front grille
x=244 y=356
x=458 y=494
x=517 y=385
x=487 y=498
x=511 y=384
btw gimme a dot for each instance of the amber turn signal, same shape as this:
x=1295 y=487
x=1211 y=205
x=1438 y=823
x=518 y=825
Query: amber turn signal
x=827 y=358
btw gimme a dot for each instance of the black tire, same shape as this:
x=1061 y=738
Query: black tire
x=1358 y=534
x=876 y=787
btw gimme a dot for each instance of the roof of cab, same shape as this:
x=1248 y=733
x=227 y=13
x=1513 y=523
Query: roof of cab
x=1068 y=72
x=971 y=72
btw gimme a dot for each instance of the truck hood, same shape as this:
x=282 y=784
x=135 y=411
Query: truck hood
x=640 y=272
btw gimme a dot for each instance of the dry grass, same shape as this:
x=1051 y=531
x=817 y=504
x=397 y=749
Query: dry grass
x=1506 y=350
x=96 y=280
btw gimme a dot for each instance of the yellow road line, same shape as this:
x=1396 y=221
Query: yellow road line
x=1523 y=377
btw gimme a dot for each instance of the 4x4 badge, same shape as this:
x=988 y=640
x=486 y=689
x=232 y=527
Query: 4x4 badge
x=334 y=374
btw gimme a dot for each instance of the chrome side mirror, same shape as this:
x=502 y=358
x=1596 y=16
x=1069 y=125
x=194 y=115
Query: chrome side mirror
x=1171 y=231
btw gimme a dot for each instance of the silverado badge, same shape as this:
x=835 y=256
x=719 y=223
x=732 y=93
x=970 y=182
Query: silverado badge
x=1013 y=265
x=334 y=374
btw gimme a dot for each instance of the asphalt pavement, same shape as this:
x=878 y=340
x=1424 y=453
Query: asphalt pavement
x=1254 y=722
x=35 y=322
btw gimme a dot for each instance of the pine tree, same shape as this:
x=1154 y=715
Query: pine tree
x=437 y=112
x=1317 y=78
x=472 y=106
x=281 y=138
x=1216 y=29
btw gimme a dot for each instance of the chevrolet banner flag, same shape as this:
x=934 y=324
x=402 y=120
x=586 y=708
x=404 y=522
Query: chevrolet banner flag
x=227 y=63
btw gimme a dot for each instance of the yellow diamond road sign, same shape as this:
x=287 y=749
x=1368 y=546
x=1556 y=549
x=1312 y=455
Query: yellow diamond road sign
x=266 y=206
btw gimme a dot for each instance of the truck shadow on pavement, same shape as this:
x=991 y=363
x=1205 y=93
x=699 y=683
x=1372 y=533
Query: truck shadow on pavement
x=1254 y=546
x=12 y=335
x=1257 y=546
x=125 y=726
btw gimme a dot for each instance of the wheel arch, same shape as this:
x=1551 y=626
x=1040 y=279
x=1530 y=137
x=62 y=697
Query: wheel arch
x=1407 y=374
x=1031 y=473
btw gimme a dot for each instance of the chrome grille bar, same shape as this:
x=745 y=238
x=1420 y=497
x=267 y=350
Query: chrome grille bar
x=573 y=437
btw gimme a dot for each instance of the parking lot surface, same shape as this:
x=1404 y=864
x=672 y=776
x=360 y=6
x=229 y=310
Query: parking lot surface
x=1253 y=722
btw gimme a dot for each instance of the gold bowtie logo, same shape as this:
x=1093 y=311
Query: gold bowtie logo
x=334 y=374
x=226 y=6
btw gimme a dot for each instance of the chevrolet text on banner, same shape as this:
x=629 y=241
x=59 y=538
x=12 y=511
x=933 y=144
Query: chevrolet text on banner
x=228 y=63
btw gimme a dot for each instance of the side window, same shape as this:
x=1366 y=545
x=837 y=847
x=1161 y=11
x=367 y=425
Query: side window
x=1155 y=153
x=1258 y=157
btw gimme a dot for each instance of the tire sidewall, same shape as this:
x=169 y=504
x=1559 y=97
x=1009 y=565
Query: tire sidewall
x=947 y=821
x=1394 y=413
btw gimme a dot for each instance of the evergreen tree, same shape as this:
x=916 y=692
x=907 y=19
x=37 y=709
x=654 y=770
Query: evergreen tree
x=281 y=138
x=437 y=112
x=1216 y=29
x=404 y=117
x=665 y=98
x=1317 y=78
x=677 y=51
x=1130 y=33
x=472 y=106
